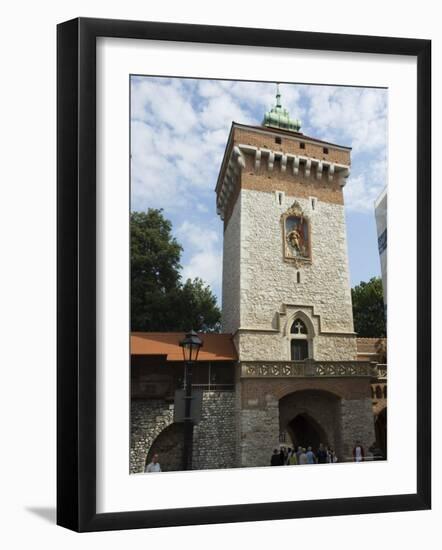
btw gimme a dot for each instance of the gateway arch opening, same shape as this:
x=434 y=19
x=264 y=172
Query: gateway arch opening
x=310 y=417
x=304 y=431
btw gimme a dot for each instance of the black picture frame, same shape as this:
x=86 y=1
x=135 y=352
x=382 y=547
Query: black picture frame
x=76 y=273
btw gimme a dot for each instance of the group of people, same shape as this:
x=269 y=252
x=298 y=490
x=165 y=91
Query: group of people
x=302 y=455
x=323 y=455
x=286 y=456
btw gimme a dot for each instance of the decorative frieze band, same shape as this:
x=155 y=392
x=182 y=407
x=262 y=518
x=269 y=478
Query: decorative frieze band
x=302 y=369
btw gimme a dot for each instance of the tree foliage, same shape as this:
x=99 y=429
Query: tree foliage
x=159 y=299
x=368 y=309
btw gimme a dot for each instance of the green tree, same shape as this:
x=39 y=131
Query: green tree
x=159 y=300
x=198 y=307
x=368 y=308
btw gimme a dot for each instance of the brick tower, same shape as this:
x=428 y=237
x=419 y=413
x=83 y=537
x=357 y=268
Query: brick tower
x=286 y=291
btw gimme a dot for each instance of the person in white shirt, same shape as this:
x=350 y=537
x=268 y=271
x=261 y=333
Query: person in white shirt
x=154 y=466
x=358 y=452
x=303 y=457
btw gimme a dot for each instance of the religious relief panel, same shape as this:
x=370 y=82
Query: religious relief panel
x=296 y=234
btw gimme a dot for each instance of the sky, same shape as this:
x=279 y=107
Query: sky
x=179 y=130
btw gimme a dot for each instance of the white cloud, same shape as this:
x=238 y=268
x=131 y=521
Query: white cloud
x=205 y=258
x=358 y=115
x=220 y=111
x=180 y=129
x=166 y=103
x=361 y=191
x=355 y=117
x=206 y=265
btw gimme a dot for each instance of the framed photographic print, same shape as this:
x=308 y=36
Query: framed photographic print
x=222 y=274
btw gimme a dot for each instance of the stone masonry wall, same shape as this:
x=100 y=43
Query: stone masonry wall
x=149 y=417
x=268 y=282
x=262 y=346
x=357 y=424
x=259 y=433
x=214 y=436
x=323 y=407
x=341 y=406
x=231 y=271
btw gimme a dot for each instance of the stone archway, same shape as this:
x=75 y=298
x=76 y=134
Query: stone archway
x=381 y=431
x=169 y=447
x=310 y=417
x=304 y=431
x=149 y=417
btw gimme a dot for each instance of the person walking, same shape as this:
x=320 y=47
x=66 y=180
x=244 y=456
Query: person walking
x=302 y=457
x=154 y=466
x=276 y=459
x=331 y=456
x=288 y=455
x=282 y=456
x=321 y=454
x=358 y=452
x=292 y=459
x=311 y=458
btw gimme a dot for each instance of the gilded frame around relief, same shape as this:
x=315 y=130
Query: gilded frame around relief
x=298 y=238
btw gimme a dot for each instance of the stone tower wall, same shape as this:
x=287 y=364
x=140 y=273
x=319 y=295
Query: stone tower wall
x=260 y=289
x=267 y=281
x=231 y=271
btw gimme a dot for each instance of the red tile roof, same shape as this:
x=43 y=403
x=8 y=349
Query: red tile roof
x=216 y=347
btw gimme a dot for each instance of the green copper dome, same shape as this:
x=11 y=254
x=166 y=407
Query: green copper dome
x=278 y=117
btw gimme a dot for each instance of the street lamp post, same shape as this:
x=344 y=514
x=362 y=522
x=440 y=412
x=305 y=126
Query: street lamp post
x=191 y=346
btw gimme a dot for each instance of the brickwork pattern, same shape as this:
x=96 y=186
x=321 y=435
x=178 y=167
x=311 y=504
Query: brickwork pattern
x=290 y=144
x=293 y=185
x=254 y=390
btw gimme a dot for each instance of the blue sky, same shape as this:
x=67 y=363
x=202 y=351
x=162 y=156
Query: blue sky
x=179 y=129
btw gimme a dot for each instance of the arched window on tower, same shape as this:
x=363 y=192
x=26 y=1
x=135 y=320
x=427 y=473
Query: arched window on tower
x=299 y=341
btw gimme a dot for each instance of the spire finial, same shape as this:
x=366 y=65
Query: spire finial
x=278 y=117
x=278 y=95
